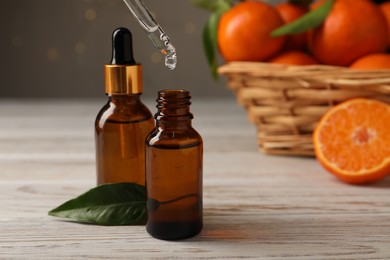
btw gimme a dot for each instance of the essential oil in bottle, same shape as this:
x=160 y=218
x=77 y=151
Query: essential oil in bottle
x=124 y=122
x=174 y=170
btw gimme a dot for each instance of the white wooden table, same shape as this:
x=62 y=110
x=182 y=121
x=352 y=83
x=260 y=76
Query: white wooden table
x=255 y=206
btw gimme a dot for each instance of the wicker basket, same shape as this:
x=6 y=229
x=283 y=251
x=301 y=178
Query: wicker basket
x=286 y=102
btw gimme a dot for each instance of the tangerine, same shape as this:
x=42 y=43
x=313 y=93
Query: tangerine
x=244 y=32
x=372 y=62
x=294 y=58
x=289 y=13
x=352 y=140
x=352 y=29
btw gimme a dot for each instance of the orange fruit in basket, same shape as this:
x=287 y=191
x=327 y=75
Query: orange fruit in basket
x=352 y=29
x=294 y=58
x=385 y=8
x=372 y=62
x=352 y=140
x=289 y=13
x=244 y=32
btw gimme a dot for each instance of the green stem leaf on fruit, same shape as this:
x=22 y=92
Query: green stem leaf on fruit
x=109 y=204
x=310 y=20
x=210 y=42
x=212 y=5
x=303 y=3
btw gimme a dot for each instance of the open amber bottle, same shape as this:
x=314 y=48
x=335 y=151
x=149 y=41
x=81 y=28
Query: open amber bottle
x=174 y=170
x=124 y=122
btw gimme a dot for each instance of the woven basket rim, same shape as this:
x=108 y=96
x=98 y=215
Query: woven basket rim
x=322 y=73
x=320 y=67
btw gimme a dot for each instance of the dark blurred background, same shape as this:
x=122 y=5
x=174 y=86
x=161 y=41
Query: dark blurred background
x=58 y=48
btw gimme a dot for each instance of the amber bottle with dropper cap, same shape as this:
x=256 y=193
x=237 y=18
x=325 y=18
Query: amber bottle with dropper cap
x=124 y=122
x=174 y=170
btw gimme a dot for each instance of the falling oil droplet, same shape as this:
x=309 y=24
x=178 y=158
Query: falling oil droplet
x=170 y=57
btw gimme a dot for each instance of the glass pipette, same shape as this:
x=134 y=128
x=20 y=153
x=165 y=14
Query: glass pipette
x=154 y=31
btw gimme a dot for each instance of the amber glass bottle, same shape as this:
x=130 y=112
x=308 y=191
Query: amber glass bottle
x=124 y=122
x=174 y=170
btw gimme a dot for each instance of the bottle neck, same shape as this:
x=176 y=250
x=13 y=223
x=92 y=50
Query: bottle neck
x=124 y=99
x=173 y=109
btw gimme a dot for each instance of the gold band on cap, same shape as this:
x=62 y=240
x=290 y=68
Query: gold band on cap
x=122 y=79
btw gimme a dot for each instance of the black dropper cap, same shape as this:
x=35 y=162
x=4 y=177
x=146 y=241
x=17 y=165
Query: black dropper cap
x=123 y=75
x=122 y=47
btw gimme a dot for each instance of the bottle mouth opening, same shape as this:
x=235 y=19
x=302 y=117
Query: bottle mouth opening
x=179 y=93
x=172 y=98
x=174 y=91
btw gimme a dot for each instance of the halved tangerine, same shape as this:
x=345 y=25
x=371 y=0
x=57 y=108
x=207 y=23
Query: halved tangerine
x=352 y=140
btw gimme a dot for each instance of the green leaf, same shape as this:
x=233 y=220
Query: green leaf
x=303 y=3
x=210 y=39
x=109 y=204
x=210 y=42
x=308 y=21
x=212 y=5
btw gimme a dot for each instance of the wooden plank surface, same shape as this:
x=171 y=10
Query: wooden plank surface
x=255 y=206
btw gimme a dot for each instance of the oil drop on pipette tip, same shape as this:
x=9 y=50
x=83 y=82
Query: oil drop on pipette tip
x=170 y=57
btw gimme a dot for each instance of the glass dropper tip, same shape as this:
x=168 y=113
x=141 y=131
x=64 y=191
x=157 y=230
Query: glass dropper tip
x=170 y=57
